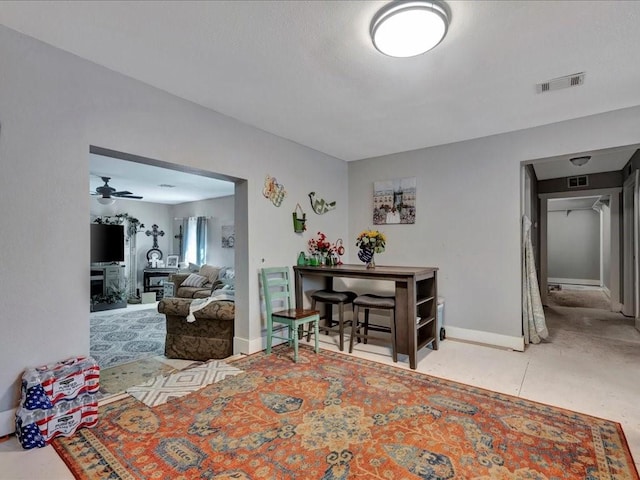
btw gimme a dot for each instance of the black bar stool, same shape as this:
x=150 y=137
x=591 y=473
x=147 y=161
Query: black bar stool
x=331 y=298
x=376 y=302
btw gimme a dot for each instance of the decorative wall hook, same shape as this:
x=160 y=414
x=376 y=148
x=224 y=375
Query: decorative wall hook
x=299 y=221
x=273 y=190
x=320 y=205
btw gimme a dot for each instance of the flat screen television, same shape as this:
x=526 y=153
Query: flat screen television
x=107 y=243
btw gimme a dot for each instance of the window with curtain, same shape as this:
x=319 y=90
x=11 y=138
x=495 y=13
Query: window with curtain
x=194 y=243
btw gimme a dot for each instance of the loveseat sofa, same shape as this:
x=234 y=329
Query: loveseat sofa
x=209 y=336
x=202 y=282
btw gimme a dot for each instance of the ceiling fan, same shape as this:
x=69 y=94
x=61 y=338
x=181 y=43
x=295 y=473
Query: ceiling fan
x=107 y=193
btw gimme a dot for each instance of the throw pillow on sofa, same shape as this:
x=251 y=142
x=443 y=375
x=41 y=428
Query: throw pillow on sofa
x=210 y=272
x=194 y=280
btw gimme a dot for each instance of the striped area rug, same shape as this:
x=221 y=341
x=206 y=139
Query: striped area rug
x=160 y=389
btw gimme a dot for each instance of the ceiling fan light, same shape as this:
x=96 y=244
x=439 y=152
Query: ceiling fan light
x=406 y=29
x=106 y=200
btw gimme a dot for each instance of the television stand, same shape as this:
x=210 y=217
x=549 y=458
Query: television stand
x=106 y=285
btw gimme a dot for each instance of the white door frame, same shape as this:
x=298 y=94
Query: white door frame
x=630 y=304
x=525 y=209
x=627 y=247
x=636 y=246
x=614 y=281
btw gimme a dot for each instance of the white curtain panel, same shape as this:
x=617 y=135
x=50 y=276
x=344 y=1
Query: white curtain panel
x=535 y=327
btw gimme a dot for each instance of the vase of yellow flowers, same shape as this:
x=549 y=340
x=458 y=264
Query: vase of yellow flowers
x=369 y=243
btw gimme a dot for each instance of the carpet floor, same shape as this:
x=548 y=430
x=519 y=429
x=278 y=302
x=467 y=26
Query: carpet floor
x=124 y=337
x=333 y=416
x=583 y=298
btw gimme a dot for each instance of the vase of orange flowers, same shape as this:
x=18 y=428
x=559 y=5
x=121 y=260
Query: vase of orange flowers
x=323 y=248
x=369 y=243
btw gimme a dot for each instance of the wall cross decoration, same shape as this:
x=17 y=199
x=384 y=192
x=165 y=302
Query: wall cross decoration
x=155 y=233
x=179 y=236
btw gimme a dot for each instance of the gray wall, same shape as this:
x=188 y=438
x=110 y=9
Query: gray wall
x=148 y=213
x=468 y=214
x=596 y=181
x=221 y=212
x=53 y=107
x=573 y=242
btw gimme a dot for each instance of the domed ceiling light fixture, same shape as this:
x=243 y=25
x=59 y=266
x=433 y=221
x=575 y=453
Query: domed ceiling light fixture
x=580 y=161
x=409 y=28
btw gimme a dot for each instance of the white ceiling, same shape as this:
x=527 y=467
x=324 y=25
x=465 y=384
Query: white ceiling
x=146 y=180
x=307 y=71
x=609 y=160
x=574 y=203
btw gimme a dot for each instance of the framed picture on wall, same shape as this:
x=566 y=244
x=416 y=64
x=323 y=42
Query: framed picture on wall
x=172 y=261
x=394 y=201
x=228 y=236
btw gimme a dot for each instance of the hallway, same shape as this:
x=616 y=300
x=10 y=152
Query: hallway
x=578 y=296
x=575 y=309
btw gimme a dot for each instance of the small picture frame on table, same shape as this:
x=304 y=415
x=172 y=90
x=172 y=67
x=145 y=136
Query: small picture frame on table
x=172 y=261
x=168 y=289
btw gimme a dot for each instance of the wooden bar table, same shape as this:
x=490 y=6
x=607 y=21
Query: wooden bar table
x=416 y=292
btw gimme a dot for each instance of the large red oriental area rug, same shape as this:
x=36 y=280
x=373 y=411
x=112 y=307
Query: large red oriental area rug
x=334 y=416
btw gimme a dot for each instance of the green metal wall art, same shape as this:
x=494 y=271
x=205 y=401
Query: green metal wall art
x=320 y=205
x=299 y=219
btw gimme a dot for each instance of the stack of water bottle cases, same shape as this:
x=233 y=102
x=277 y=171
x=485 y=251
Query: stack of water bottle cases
x=56 y=400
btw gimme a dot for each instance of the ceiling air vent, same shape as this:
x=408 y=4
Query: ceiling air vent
x=579 y=181
x=573 y=80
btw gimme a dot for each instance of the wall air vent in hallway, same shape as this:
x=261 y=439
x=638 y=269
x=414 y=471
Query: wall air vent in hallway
x=572 y=80
x=579 y=181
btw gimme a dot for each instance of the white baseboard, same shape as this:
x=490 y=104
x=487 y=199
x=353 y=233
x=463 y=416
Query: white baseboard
x=241 y=345
x=246 y=346
x=487 y=338
x=574 y=281
x=7 y=422
x=615 y=306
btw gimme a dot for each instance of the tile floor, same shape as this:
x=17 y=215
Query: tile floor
x=591 y=364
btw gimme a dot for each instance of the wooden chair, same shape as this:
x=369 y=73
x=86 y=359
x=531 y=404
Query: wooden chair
x=276 y=289
x=375 y=302
x=331 y=298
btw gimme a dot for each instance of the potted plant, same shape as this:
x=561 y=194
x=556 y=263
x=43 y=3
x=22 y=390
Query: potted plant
x=321 y=247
